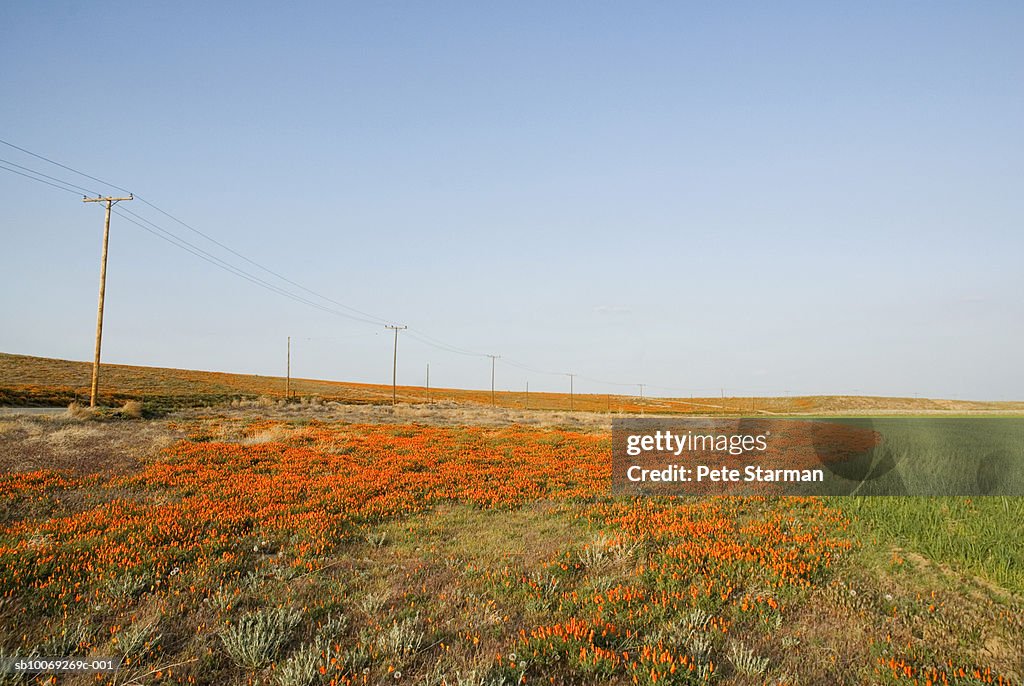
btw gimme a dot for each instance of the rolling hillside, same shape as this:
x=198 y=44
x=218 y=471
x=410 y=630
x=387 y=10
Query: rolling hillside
x=40 y=381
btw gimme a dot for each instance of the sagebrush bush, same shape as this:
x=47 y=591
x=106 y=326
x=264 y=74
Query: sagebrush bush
x=303 y=666
x=256 y=638
x=745 y=661
x=402 y=638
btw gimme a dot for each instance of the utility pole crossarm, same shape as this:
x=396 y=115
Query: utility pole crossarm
x=109 y=199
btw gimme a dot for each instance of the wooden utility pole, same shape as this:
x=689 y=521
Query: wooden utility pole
x=493 y=358
x=571 y=377
x=527 y=405
x=288 y=378
x=394 y=364
x=428 y=383
x=641 y=398
x=103 y=287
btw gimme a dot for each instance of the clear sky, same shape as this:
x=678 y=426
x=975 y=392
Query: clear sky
x=765 y=197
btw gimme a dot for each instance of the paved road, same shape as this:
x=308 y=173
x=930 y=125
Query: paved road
x=32 y=410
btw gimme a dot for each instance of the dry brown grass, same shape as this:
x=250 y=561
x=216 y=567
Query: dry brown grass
x=7 y=426
x=132 y=409
x=275 y=434
x=79 y=411
x=66 y=443
x=438 y=414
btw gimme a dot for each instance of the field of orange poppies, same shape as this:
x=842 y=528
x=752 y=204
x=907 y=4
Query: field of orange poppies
x=248 y=550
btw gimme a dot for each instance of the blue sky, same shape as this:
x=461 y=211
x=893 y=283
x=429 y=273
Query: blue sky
x=762 y=197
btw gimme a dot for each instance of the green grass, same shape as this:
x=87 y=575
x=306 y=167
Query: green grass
x=979 y=536
x=971 y=456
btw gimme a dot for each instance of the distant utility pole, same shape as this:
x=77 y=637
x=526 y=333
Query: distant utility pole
x=428 y=383
x=641 y=385
x=493 y=358
x=571 y=377
x=394 y=364
x=527 y=404
x=103 y=287
x=288 y=378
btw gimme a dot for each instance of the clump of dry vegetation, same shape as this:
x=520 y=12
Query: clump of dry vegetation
x=79 y=411
x=132 y=409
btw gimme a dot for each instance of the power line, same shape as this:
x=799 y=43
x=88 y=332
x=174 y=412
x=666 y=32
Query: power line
x=378 y=320
x=441 y=345
x=47 y=176
x=676 y=389
x=206 y=256
x=366 y=317
x=346 y=311
x=528 y=368
x=606 y=383
x=362 y=334
x=179 y=242
x=64 y=166
x=62 y=188
x=183 y=244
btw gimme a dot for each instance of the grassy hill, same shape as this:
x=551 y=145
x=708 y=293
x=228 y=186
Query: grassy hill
x=40 y=381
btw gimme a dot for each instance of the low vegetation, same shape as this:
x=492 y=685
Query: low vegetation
x=250 y=545
x=979 y=535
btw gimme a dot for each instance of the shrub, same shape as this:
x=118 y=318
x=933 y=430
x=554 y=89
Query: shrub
x=745 y=661
x=302 y=667
x=257 y=638
x=402 y=638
